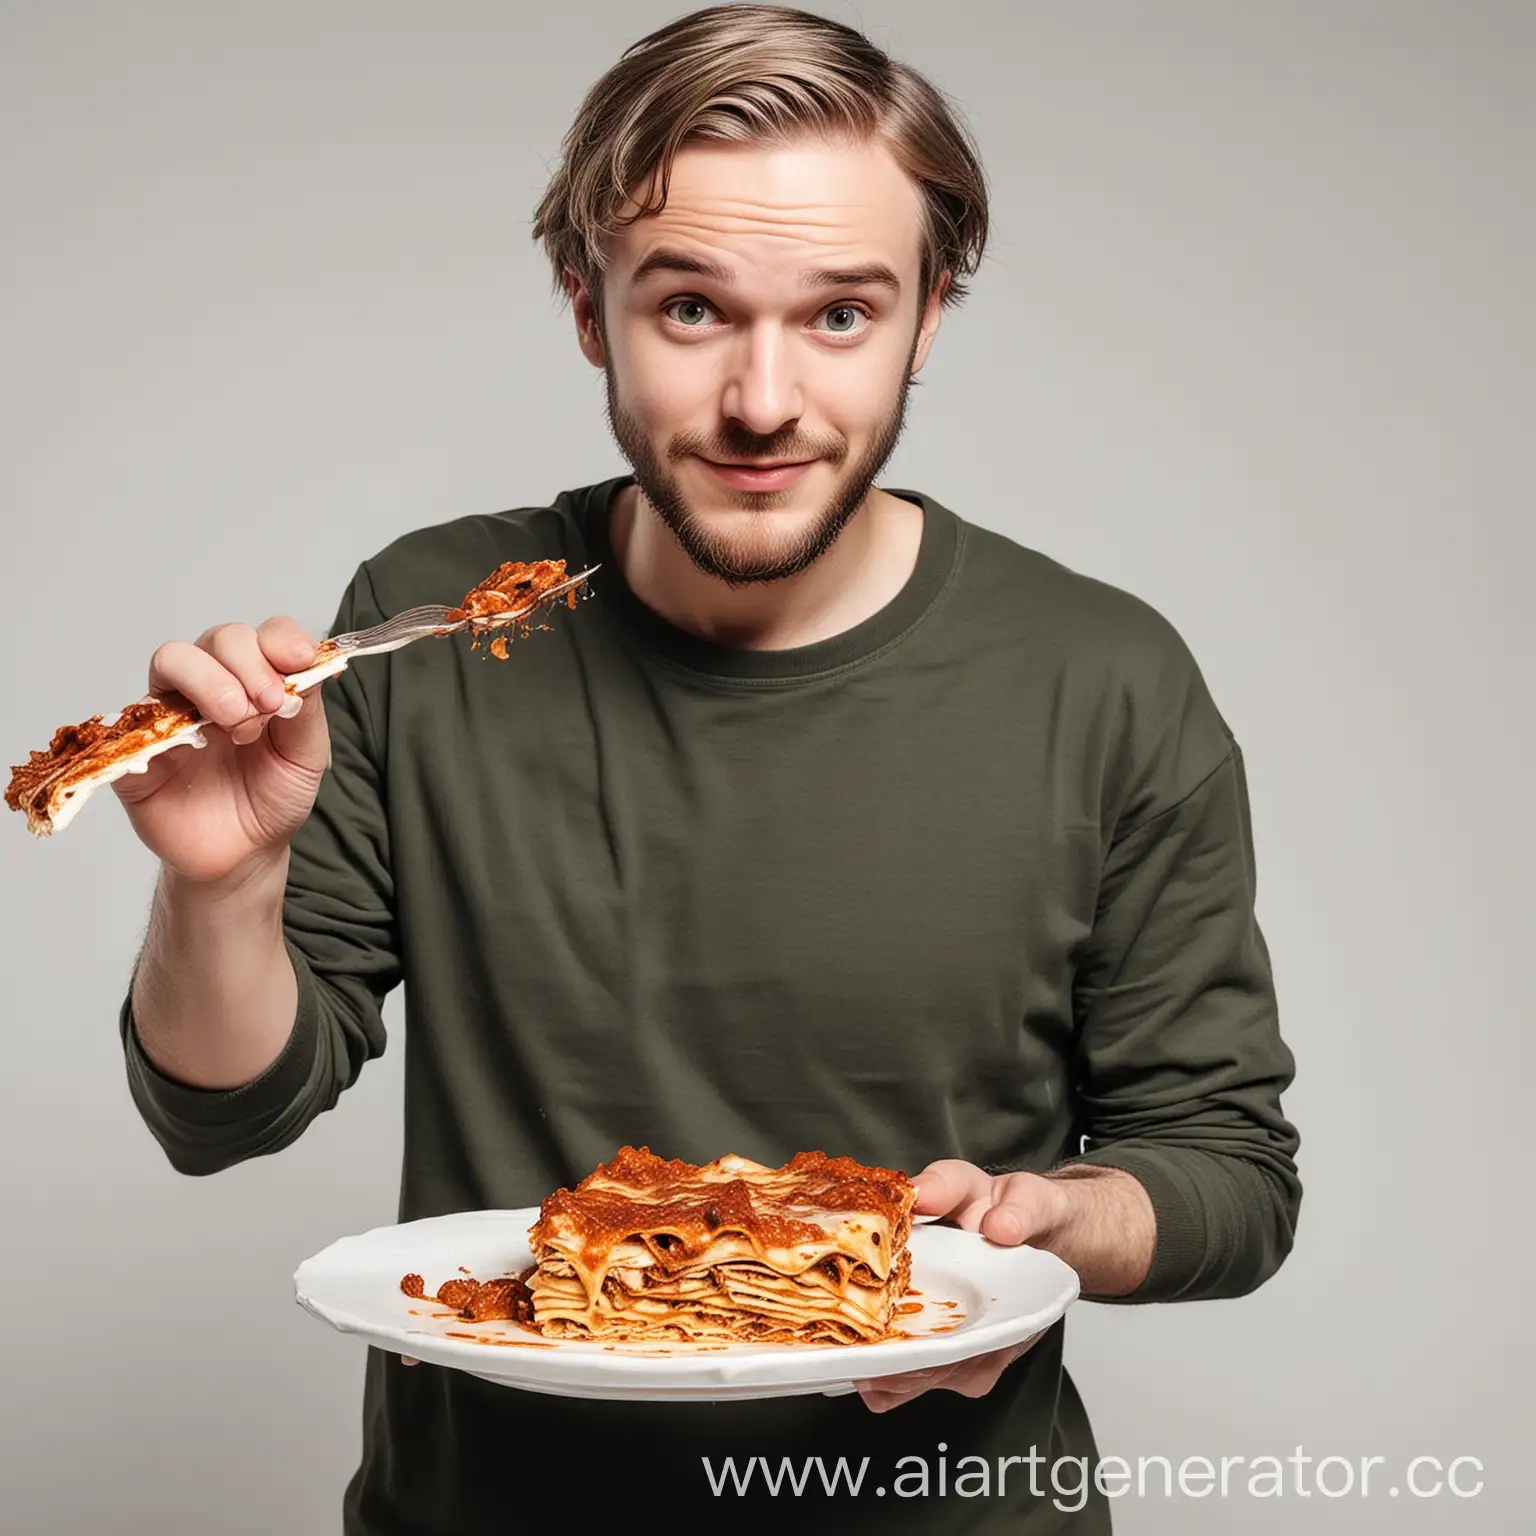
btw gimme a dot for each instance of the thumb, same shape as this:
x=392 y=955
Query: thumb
x=950 y=1187
x=1004 y=1224
x=303 y=737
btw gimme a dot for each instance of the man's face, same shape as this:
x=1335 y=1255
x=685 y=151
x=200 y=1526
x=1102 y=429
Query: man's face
x=770 y=314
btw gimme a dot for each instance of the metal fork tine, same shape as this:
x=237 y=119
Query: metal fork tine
x=428 y=614
x=430 y=617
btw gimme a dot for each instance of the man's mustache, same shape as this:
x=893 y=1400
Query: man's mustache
x=735 y=446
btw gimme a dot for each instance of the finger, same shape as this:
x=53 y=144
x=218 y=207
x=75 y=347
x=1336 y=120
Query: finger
x=287 y=644
x=409 y=1360
x=971 y=1378
x=887 y=1392
x=902 y=1381
x=1020 y=1208
x=951 y=1185
x=977 y=1376
x=879 y=1401
x=208 y=686
x=237 y=647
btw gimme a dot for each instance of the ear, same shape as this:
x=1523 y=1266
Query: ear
x=932 y=314
x=589 y=334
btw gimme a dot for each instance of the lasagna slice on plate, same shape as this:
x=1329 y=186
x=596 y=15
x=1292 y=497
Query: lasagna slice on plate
x=731 y=1251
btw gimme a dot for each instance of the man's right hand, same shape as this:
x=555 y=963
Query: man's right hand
x=214 y=812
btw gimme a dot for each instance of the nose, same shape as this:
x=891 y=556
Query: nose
x=763 y=389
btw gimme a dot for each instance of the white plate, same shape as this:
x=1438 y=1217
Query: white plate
x=975 y=1296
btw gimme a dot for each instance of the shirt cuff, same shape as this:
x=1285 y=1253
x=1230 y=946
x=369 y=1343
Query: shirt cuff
x=1181 y=1254
x=262 y=1098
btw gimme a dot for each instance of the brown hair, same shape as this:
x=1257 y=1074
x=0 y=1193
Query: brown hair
x=768 y=73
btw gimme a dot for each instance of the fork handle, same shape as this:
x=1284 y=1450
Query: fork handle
x=302 y=682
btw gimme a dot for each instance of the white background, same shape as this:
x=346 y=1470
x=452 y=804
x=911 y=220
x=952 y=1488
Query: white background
x=1254 y=340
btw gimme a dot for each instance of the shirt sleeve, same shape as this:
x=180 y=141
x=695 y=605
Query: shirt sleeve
x=1180 y=1063
x=340 y=931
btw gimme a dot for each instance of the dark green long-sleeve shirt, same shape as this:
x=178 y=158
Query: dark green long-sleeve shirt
x=973 y=879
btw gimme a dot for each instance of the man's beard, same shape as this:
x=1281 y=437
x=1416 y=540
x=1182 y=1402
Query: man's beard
x=742 y=561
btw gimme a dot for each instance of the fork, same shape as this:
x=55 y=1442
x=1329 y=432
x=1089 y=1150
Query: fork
x=403 y=628
x=335 y=654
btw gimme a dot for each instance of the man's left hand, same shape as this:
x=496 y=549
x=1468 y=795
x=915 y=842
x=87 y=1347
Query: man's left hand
x=1007 y=1208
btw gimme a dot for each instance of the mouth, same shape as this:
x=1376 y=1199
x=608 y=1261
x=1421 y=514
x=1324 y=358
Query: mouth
x=760 y=477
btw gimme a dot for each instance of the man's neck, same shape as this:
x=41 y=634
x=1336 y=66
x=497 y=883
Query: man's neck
x=870 y=562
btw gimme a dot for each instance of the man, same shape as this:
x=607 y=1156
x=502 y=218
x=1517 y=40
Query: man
x=833 y=822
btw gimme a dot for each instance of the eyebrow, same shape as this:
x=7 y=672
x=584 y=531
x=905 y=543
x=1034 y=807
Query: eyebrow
x=875 y=274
